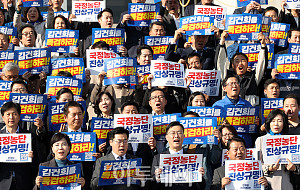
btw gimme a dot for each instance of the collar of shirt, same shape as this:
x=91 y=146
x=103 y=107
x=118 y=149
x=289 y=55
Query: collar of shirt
x=117 y=156
x=176 y=20
x=70 y=130
x=12 y=133
x=154 y=113
x=173 y=152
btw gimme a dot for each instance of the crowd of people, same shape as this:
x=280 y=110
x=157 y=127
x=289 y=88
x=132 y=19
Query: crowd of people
x=241 y=86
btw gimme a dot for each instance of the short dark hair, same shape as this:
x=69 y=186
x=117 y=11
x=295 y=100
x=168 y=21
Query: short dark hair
x=141 y=47
x=272 y=115
x=156 y=23
x=192 y=96
x=98 y=100
x=270 y=81
x=190 y=113
x=26 y=26
x=194 y=54
x=8 y=105
x=293 y=96
x=172 y=124
x=18 y=81
x=100 y=44
x=62 y=91
x=59 y=136
x=64 y=19
x=229 y=128
x=226 y=79
x=130 y=103
x=292 y=30
x=40 y=19
x=157 y=89
x=64 y=74
x=118 y=130
x=235 y=139
x=72 y=104
x=271 y=8
x=104 y=10
x=236 y=54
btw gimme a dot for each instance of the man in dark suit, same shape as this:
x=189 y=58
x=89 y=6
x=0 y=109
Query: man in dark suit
x=236 y=150
x=189 y=10
x=198 y=45
x=135 y=34
x=17 y=176
x=175 y=137
x=119 y=143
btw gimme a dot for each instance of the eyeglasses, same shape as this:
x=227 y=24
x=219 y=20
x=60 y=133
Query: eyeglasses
x=9 y=77
x=173 y=133
x=232 y=83
x=157 y=97
x=27 y=33
x=121 y=141
x=21 y=90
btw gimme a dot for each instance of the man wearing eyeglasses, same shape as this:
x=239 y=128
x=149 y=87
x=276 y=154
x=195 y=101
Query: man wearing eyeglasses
x=236 y=150
x=231 y=86
x=10 y=72
x=158 y=101
x=118 y=139
x=175 y=137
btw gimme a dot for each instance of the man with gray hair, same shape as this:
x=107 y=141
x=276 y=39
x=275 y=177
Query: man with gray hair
x=10 y=72
x=4 y=42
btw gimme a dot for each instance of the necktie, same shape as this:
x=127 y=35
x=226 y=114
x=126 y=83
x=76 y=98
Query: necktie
x=120 y=158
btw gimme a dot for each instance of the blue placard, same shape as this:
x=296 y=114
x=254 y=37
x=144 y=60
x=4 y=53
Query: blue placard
x=35 y=3
x=160 y=122
x=117 y=168
x=4 y=91
x=114 y=37
x=278 y=33
x=294 y=48
x=83 y=146
x=56 y=115
x=74 y=65
x=60 y=177
x=55 y=83
x=288 y=66
x=101 y=126
x=5 y=57
x=159 y=44
x=199 y=130
x=197 y=25
x=241 y=117
x=63 y=13
x=244 y=3
x=61 y=40
x=243 y=26
x=157 y=1
x=33 y=60
x=142 y=14
x=252 y=51
x=32 y=105
x=207 y=112
x=145 y=71
x=120 y=71
x=268 y=104
x=11 y=33
x=266 y=25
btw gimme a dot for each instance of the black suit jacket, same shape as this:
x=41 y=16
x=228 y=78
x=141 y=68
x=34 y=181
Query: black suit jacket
x=182 y=53
x=289 y=19
x=189 y=10
x=175 y=186
x=96 y=173
x=25 y=173
x=135 y=36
